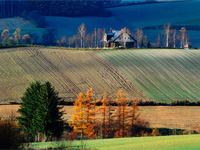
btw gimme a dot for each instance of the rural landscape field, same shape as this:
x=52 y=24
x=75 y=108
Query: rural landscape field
x=159 y=75
x=100 y=74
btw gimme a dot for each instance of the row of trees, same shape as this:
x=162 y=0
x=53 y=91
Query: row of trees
x=5 y=37
x=83 y=39
x=172 y=38
x=95 y=40
x=106 y=121
x=71 y=8
x=41 y=116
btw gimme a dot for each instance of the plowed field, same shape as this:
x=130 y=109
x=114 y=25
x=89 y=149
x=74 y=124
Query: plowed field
x=162 y=75
x=70 y=72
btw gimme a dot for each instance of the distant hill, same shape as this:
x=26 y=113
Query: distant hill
x=150 y=17
x=140 y=16
x=157 y=14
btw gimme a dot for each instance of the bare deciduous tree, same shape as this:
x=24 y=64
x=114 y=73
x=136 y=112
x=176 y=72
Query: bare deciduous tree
x=183 y=37
x=174 y=38
x=63 y=40
x=99 y=37
x=157 y=43
x=167 y=34
x=82 y=32
x=139 y=37
x=124 y=36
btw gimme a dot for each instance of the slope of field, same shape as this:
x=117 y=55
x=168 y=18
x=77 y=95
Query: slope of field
x=162 y=75
x=177 y=13
x=71 y=72
x=183 y=142
x=68 y=26
x=16 y=22
x=135 y=16
x=157 y=13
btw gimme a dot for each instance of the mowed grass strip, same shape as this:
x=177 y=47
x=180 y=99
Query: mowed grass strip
x=176 y=117
x=70 y=72
x=183 y=142
x=162 y=75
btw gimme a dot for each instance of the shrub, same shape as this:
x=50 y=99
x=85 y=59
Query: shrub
x=11 y=135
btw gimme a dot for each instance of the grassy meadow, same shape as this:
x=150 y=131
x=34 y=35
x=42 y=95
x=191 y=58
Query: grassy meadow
x=183 y=142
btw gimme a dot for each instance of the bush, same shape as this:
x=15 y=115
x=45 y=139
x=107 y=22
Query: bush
x=11 y=135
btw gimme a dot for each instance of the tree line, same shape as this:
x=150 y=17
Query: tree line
x=106 y=121
x=68 y=8
x=95 y=39
x=171 y=38
x=41 y=118
x=16 y=38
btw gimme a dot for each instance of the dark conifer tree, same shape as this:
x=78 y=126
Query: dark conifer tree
x=40 y=111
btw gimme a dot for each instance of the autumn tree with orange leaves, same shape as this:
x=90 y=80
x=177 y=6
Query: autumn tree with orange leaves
x=84 y=116
x=89 y=121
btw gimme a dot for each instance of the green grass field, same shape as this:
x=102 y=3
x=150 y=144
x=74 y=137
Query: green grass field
x=183 y=142
x=162 y=75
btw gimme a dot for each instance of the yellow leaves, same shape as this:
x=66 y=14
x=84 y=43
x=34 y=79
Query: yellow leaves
x=86 y=118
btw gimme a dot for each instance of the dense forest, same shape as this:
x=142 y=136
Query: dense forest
x=69 y=8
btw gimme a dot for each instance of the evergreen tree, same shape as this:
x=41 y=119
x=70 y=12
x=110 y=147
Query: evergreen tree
x=40 y=112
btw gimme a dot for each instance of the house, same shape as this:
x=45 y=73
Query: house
x=118 y=38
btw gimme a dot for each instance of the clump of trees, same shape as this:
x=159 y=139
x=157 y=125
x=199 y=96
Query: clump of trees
x=106 y=121
x=40 y=113
x=172 y=38
x=10 y=41
x=83 y=39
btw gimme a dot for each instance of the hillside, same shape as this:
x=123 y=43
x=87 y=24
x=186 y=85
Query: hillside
x=137 y=16
x=71 y=72
x=157 y=14
x=150 y=17
x=162 y=75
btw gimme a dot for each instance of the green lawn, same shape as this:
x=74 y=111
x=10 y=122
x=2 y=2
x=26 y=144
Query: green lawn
x=183 y=142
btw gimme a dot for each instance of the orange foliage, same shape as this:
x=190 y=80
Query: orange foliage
x=122 y=114
x=84 y=116
x=118 y=123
